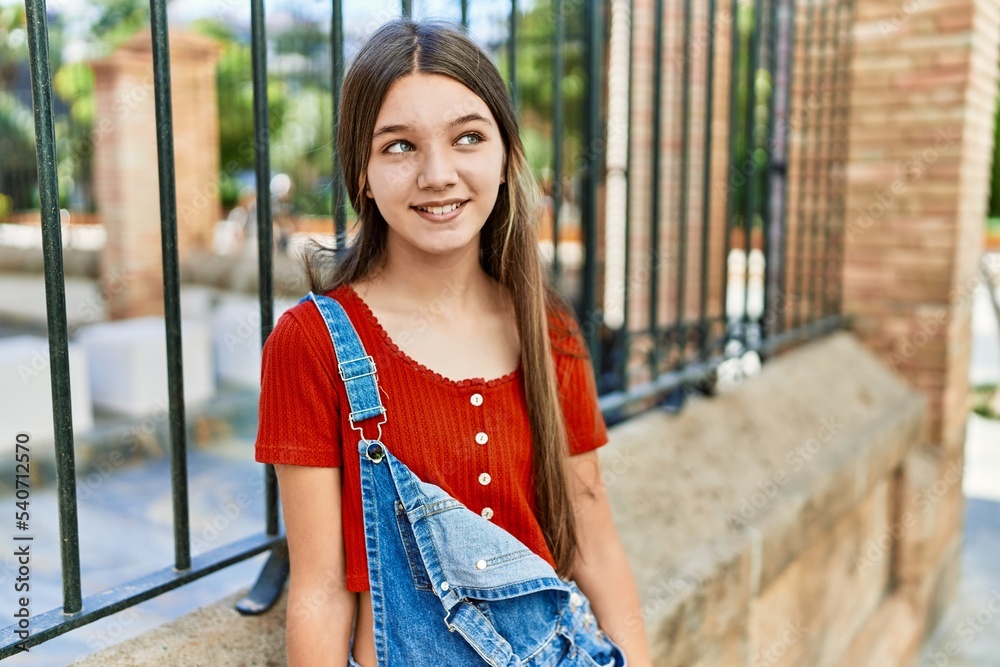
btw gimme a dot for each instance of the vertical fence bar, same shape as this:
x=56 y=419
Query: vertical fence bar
x=753 y=180
x=818 y=255
x=706 y=178
x=406 y=8
x=265 y=237
x=829 y=113
x=557 y=131
x=654 y=199
x=171 y=281
x=800 y=226
x=55 y=300
x=594 y=174
x=832 y=187
x=336 y=81
x=685 y=181
x=781 y=253
x=625 y=340
x=775 y=174
x=734 y=59
x=465 y=13
x=844 y=103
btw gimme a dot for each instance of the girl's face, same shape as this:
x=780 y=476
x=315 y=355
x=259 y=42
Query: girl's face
x=436 y=164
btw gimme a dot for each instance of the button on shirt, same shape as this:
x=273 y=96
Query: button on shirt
x=471 y=437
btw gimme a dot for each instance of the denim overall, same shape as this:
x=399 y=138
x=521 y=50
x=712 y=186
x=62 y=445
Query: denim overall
x=448 y=587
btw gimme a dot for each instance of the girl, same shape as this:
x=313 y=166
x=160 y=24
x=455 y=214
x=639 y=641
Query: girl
x=472 y=426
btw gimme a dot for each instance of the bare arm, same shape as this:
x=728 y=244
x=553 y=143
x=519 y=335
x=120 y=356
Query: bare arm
x=320 y=608
x=601 y=569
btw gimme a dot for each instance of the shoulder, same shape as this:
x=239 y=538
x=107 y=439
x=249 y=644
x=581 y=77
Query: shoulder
x=303 y=325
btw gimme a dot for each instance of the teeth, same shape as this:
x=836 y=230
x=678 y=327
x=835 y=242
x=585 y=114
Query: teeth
x=440 y=210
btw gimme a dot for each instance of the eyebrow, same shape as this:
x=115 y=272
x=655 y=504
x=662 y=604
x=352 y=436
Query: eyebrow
x=467 y=118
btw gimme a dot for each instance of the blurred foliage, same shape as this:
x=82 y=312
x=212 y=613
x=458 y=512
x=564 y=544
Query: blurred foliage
x=17 y=130
x=13 y=43
x=74 y=83
x=116 y=21
x=994 y=203
x=751 y=150
x=299 y=95
x=535 y=87
x=74 y=106
x=17 y=134
x=983 y=401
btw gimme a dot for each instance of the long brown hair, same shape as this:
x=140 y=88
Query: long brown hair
x=508 y=241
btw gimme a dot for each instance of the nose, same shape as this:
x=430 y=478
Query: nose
x=436 y=172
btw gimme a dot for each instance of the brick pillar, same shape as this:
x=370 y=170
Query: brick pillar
x=923 y=97
x=125 y=164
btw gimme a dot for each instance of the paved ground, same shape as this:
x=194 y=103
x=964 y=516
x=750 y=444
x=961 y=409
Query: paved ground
x=125 y=521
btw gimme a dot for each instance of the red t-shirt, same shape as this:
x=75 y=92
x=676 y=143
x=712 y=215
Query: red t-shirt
x=447 y=432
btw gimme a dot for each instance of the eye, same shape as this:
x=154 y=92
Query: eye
x=474 y=136
x=396 y=147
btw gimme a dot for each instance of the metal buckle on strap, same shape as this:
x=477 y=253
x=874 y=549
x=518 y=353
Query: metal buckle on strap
x=340 y=368
x=378 y=438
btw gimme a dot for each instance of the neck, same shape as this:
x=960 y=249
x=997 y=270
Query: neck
x=418 y=279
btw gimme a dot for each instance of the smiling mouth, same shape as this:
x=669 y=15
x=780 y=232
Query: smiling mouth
x=439 y=210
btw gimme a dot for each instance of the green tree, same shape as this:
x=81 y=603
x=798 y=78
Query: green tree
x=234 y=89
x=535 y=84
x=116 y=22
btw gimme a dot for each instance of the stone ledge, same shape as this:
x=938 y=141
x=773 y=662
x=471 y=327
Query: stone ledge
x=213 y=636
x=76 y=262
x=676 y=483
x=746 y=480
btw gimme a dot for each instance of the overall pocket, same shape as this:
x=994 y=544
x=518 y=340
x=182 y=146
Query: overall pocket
x=418 y=572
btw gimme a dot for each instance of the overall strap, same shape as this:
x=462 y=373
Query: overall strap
x=356 y=367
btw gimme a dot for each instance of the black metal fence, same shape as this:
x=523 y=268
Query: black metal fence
x=699 y=246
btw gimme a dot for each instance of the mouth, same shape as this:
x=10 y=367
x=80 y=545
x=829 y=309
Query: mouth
x=440 y=210
x=440 y=213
